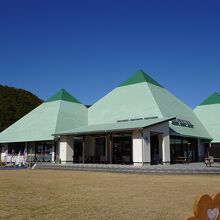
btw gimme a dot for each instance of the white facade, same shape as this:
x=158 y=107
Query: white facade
x=141 y=146
x=141 y=141
x=66 y=149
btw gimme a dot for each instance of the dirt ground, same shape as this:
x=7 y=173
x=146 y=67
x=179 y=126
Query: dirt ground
x=41 y=194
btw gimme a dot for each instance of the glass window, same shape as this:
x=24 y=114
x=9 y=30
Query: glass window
x=100 y=146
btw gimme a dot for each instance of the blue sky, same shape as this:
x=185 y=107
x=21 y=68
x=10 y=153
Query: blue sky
x=89 y=47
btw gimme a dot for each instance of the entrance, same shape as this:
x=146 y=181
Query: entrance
x=78 y=151
x=155 y=149
x=122 y=150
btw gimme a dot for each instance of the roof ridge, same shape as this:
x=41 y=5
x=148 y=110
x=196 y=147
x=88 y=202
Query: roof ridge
x=57 y=118
x=152 y=94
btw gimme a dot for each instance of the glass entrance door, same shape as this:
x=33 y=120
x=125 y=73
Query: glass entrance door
x=154 y=149
x=78 y=151
x=122 y=150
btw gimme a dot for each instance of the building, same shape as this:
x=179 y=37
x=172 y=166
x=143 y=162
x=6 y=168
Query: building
x=209 y=114
x=139 y=122
x=34 y=131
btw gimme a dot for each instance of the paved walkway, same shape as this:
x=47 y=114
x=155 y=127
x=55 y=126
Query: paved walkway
x=192 y=168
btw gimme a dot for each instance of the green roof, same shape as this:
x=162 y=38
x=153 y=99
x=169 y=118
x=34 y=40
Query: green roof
x=209 y=115
x=143 y=100
x=64 y=96
x=118 y=126
x=45 y=120
x=212 y=99
x=139 y=77
x=140 y=97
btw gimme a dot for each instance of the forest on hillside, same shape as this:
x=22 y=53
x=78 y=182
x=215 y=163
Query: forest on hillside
x=14 y=104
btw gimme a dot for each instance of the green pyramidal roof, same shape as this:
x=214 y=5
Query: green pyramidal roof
x=60 y=113
x=64 y=96
x=212 y=99
x=139 y=77
x=145 y=99
x=208 y=113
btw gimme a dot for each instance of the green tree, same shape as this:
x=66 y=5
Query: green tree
x=14 y=104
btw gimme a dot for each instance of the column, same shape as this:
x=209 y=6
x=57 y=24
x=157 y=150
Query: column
x=141 y=148
x=53 y=153
x=66 y=149
x=166 y=147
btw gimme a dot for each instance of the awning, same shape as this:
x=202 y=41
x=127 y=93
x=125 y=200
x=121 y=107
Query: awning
x=118 y=126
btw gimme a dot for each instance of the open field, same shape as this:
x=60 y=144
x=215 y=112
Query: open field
x=41 y=194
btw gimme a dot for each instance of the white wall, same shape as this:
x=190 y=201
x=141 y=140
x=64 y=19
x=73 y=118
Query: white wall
x=66 y=149
x=53 y=152
x=137 y=143
x=141 y=144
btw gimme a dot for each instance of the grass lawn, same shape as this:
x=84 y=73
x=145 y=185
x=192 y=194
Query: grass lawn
x=41 y=194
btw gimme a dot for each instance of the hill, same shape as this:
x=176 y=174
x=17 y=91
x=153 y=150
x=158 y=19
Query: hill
x=14 y=104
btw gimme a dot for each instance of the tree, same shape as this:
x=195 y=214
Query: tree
x=14 y=104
